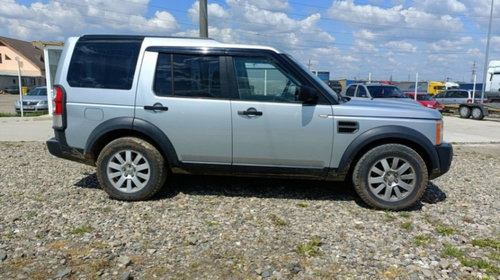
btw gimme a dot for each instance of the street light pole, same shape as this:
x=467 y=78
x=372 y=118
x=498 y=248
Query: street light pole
x=20 y=84
x=203 y=19
x=485 y=72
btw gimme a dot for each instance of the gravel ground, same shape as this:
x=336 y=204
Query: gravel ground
x=56 y=222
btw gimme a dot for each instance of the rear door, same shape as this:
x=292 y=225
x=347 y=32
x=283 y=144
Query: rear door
x=271 y=128
x=182 y=95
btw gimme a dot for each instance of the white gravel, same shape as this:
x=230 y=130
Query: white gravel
x=56 y=222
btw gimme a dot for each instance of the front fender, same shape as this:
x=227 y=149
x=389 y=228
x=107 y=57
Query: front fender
x=389 y=134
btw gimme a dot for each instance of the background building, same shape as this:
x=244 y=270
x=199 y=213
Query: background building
x=31 y=62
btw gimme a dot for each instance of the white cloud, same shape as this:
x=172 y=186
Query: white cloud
x=448 y=45
x=401 y=46
x=58 y=19
x=214 y=11
x=364 y=47
x=395 y=23
x=437 y=7
x=269 y=5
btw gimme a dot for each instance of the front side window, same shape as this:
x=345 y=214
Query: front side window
x=187 y=76
x=362 y=92
x=350 y=91
x=261 y=79
x=103 y=64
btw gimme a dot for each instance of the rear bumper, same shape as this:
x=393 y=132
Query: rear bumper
x=445 y=154
x=62 y=150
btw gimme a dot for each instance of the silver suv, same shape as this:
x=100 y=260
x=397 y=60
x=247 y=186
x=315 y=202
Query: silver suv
x=142 y=108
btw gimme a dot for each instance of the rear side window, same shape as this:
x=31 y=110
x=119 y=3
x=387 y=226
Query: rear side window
x=192 y=76
x=103 y=64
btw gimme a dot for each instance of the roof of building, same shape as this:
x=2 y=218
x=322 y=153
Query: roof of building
x=26 y=49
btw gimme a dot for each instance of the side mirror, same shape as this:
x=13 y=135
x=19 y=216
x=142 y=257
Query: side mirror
x=307 y=95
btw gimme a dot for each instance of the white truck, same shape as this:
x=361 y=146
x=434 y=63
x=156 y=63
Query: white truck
x=492 y=86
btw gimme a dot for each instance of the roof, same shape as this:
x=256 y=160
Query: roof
x=176 y=41
x=26 y=49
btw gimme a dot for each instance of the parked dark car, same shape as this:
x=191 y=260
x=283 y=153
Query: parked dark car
x=11 y=89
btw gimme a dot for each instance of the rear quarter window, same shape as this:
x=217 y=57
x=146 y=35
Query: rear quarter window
x=103 y=64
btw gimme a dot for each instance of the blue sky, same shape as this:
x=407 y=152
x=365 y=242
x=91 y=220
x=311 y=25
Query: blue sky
x=387 y=38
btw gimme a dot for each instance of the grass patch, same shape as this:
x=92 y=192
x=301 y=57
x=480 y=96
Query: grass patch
x=8 y=115
x=310 y=249
x=302 y=205
x=212 y=223
x=81 y=230
x=276 y=221
x=390 y=273
x=450 y=251
x=106 y=209
x=444 y=230
x=495 y=244
x=405 y=225
x=389 y=217
x=422 y=240
x=405 y=214
x=481 y=264
x=26 y=114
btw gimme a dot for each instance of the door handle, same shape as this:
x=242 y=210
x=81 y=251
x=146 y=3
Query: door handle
x=250 y=112
x=156 y=107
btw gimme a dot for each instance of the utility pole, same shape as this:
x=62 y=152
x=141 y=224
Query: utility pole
x=309 y=64
x=473 y=70
x=203 y=19
x=20 y=84
x=487 y=53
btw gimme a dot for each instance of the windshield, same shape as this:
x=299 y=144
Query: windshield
x=385 y=92
x=38 y=92
x=425 y=97
x=318 y=80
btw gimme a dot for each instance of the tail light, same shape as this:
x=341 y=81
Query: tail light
x=485 y=100
x=58 y=103
x=469 y=100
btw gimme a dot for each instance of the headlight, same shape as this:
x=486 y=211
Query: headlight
x=439 y=132
x=42 y=102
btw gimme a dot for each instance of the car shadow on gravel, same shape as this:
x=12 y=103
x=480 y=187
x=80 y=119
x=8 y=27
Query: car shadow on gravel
x=256 y=187
x=265 y=188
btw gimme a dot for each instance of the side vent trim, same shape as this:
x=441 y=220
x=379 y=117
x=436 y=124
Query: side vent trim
x=347 y=127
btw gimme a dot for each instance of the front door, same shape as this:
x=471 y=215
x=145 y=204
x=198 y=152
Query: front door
x=270 y=126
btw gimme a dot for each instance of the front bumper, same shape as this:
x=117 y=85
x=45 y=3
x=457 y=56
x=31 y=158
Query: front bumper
x=32 y=108
x=445 y=155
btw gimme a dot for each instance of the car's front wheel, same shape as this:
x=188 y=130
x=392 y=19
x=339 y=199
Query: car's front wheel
x=130 y=168
x=390 y=176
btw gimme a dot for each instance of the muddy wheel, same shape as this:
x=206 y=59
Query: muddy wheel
x=390 y=176
x=130 y=168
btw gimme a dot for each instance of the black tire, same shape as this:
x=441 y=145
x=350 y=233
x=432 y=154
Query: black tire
x=131 y=169
x=400 y=170
x=477 y=113
x=464 y=112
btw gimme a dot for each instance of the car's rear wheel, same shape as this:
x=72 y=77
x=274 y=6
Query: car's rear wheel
x=464 y=112
x=130 y=168
x=390 y=176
